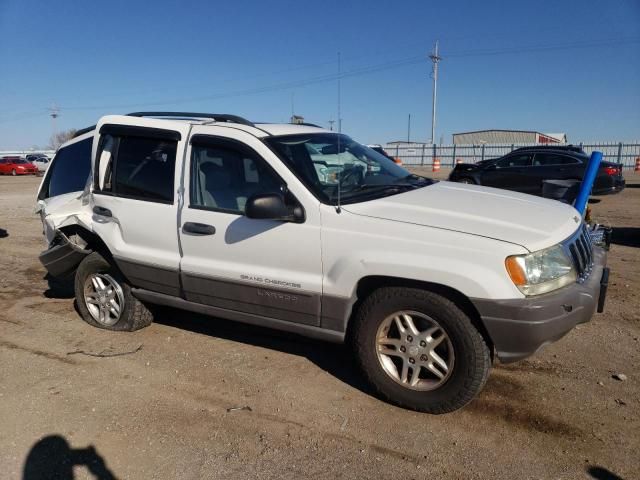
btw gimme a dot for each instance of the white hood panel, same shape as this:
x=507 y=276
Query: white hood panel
x=518 y=218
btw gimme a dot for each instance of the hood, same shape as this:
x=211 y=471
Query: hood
x=526 y=220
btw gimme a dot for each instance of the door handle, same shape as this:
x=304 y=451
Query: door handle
x=103 y=212
x=198 y=228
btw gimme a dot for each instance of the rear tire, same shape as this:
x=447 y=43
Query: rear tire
x=436 y=323
x=104 y=298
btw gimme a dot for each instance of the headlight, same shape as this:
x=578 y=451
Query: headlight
x=542 y=271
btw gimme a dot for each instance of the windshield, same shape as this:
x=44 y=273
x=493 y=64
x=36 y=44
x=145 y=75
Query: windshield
x=332 y=165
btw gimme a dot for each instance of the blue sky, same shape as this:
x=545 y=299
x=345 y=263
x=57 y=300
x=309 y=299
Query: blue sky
x=554 y=66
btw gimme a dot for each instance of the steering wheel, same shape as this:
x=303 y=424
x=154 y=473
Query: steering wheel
x=352 y=176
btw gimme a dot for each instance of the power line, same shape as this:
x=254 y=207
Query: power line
x=366 y=70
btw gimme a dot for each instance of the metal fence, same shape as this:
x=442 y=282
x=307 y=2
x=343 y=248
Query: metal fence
x=424 y=154
x=23 y=153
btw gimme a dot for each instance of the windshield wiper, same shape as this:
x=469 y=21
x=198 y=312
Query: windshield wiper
x=367 y=186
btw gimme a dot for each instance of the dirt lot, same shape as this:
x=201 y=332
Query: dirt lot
x=162 y=411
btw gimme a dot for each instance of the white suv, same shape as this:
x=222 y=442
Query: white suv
x=302 y=229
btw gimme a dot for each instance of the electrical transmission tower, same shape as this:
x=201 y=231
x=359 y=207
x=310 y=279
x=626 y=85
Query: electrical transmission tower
x=54 y=112
x=435 y=58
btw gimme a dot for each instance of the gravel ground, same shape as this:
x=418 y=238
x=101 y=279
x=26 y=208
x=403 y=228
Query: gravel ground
x=163 y=411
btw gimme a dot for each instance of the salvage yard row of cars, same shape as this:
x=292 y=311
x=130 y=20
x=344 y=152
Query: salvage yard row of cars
x=30 y=165
x=302 y=229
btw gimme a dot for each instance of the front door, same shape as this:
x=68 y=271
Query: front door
x=264 y=268
x=511 y=172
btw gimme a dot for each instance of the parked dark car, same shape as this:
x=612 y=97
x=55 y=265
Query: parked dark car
x=379 y=149
x=524 y=170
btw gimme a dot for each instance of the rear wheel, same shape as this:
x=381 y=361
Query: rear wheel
x=419 y=350
x=104 y=298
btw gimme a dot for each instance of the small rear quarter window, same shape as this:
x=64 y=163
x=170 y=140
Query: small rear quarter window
x=70 y=169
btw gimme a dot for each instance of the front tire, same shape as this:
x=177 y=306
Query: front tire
x=13 y=172
x=104 y=298
x=419 y=350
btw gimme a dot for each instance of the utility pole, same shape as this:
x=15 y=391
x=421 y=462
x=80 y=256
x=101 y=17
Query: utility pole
x=435 y=58
x=54 y=112
x=339 y=94
x=409 y=130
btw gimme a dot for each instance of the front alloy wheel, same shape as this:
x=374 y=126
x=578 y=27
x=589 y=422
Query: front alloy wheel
x=419 y=349
x=414 y=350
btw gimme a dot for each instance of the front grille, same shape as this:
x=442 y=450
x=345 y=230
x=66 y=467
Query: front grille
x=581 y=251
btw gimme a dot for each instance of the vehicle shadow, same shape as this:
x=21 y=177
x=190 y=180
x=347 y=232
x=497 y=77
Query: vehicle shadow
x=601 y=473
x=334 y=359
x=626 y=236
x=59 y=287
x=52 y=457
x=3 y=233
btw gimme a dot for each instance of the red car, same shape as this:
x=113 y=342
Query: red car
x=17 y=166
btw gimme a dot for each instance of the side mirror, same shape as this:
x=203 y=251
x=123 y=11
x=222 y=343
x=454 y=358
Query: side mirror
x=271 y=206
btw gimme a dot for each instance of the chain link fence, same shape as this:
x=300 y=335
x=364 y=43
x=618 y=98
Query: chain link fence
x=419 y=154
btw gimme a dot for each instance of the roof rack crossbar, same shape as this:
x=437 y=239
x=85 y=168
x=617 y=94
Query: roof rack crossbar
x=218 y=117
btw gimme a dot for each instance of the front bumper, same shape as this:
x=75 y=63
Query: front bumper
x=521 y=327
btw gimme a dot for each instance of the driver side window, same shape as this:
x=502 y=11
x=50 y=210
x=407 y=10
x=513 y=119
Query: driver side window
x=224 y=177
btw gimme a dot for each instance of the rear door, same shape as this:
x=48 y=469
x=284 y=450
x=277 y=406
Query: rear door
x=263 y=268
x=556 y=166
x=510 y=172
x=137 y=171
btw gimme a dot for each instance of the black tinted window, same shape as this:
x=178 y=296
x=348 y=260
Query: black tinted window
x=223 y=178
x=145 y=168
x=543 y=159
x=514 y=161
x=70 y=170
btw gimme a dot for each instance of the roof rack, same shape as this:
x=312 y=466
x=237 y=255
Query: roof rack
x=82 y=131
x=218 y=117
x=571 y=148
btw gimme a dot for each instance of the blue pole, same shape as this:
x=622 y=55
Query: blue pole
x=587 y=181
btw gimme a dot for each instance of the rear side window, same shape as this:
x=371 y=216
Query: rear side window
x=70 y=171
x=136 y=167
x=144 y=169
x=514 y=161
x=543 y=159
